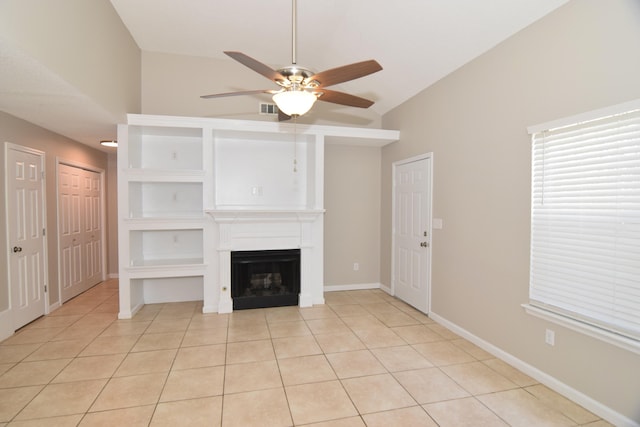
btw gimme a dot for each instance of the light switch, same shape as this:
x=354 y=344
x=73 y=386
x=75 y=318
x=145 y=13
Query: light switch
x=437 y=223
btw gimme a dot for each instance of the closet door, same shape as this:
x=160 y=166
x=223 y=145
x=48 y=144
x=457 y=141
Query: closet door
x=79 y=230
x=92 y=221
x=70 y=230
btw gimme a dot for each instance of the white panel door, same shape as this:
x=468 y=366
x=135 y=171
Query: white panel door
x=70 y=231
x=79 y=229
x=411 y=232
x=25 y=216
x=92 y=228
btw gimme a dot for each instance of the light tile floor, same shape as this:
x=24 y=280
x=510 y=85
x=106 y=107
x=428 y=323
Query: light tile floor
x=363 y=359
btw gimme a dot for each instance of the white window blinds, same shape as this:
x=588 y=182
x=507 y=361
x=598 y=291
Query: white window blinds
x=585 y=225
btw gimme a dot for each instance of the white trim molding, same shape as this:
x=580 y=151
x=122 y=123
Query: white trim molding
x=585 y=328
x=352 y=287
x=387 y=289
x=53 y=307
x=553 y=383
x=585 y=117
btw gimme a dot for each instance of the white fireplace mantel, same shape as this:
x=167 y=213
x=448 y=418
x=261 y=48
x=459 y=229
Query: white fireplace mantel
x=241 y=230
x=265 y=215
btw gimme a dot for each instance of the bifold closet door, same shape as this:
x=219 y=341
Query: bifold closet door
x=92 y=227
x=80 y=229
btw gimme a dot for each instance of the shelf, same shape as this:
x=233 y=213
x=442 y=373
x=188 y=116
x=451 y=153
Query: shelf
x=166 y=223
x=245 y=128
x=173 y=262
x=264 y=215
x=164 y=175
x=166 y=270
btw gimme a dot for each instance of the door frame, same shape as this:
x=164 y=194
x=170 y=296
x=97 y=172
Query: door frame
x=43 y=203
x=426 y=156
x=103 y=210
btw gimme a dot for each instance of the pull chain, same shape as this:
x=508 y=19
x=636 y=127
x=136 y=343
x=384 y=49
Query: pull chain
x=295 y=144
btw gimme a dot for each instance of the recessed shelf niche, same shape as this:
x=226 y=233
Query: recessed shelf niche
x=165 y=199
x=263 y=173
x=165 y=247
x=154 y=147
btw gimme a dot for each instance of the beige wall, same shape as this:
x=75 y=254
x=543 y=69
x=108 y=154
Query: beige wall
x=112 y=214
x=582 y=57
x=82 y=41
x=54 y=146
x=352 y=219
x=86 y=44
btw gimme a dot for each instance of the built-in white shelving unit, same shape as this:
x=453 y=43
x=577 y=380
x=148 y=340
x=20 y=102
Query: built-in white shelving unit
x=191 y=190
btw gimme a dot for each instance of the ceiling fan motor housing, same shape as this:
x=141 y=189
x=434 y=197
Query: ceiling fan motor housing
x=297 y=76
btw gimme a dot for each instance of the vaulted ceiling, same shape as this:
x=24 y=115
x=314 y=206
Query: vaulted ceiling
x=417 y=42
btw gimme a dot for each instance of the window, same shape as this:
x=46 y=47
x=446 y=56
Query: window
x=585 y=224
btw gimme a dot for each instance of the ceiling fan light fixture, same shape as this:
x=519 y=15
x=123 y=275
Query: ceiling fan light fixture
x=294 y=102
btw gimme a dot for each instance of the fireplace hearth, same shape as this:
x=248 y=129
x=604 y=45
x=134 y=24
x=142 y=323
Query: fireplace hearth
x=266 y=278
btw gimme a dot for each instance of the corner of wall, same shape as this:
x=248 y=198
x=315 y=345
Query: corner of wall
x=6 y=330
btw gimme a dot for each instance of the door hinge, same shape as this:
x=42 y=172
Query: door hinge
x=45 y=288
x=42 y=174
x=44 y=231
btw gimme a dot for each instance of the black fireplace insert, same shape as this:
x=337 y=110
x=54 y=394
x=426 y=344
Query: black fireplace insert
x=269 y=278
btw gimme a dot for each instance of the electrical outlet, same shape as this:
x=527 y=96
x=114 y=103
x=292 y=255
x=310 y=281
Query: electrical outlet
x=356 y=266
x=550 y=337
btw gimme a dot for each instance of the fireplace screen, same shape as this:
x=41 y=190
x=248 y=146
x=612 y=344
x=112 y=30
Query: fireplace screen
x=265 y=278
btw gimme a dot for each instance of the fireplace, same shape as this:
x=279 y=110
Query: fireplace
x=258 y=230
x=267 y=278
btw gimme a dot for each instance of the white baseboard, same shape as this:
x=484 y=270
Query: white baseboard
x=209 y=309
x=386 y=289
x=553 y=383
x=129 y=314
x=6 y=324
x=352 y=287
x=113 y=276
x=53 y=307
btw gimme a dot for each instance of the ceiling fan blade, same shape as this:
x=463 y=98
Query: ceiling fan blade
x=346 y=73
x=242 y=92
x=343 y=98
x=256 y=66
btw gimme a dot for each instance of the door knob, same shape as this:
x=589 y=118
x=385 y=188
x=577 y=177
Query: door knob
x=424 y=244
x=17 y=249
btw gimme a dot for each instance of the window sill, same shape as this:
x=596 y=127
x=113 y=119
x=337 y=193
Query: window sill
x=584 y=328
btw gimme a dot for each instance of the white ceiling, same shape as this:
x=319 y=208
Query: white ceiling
x=417 y=42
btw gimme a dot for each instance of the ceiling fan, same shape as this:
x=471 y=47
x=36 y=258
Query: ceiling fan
x=300 y=87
